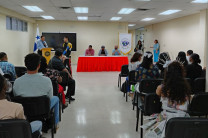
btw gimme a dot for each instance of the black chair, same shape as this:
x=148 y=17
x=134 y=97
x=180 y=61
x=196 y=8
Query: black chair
x=186 y=128
x=8 y=77
x=191 y=84
x=124 y=73
x=199 y=85
x=15 y=129
x=37 y=108
x=147 y=86
x=199 y=105
x=20 y=70
x=131 y=81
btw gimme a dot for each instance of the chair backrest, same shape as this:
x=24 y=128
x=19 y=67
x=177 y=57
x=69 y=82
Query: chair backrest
x=199 y=105
x=187 y=128
x=152 y=104
x=15 y=129
x=191 y=84
x=8 y=77
x=34 y=107
x=125 y=70
x=199 y=85
x=55 y=88
x=149 y=85
x=132 y=77
x=20 y=70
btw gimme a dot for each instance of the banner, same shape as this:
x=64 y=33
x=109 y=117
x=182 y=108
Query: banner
x=125 y=43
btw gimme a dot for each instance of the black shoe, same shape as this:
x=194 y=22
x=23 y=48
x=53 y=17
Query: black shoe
x=65 y=106
x=71 y=99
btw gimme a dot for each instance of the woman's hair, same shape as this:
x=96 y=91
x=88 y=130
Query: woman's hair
x=139 y=41
x=136 y=57
x=2 y=83
x=147 y=60
x=162 y=59
x=43 y=65
x=196 y=59
x=182 y=58
x=156 y=40
x=176 y=88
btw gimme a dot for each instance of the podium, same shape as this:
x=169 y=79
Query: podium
x=46 y=52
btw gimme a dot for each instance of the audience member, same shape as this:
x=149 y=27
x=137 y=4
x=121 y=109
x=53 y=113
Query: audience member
x=33 y=84
x=188 y=55
x=54 y=75
x=10 y=110
x=139 y=47
x=57 y=63
x=41 y=44
x=103 y=51
x=194 y=70
x=116 y=51
x=175 y=95
x=135 y=61
x=182 y=58
x=89 y=51
x=7 y=67
x=164 y=60
x=1 y=72
x=146 y=70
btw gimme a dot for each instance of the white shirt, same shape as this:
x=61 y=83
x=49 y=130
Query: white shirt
x=134 y=65
x=1 y=72
x=188 y=59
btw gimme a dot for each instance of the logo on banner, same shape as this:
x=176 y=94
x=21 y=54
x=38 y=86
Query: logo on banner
x=125 y=43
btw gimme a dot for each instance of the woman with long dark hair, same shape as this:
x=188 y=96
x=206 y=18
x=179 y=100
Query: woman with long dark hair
x=182 y=58
x=135 y=61
x=175 y=95
x=139 y=47
x=194 y=70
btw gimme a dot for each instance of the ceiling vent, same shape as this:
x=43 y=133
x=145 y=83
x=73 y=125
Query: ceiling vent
x=65 y=8
x=142 y=9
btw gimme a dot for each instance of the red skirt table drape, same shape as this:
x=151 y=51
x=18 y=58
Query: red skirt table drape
x=98 y=64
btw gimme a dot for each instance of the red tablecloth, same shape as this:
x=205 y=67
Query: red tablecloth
x=97 y=64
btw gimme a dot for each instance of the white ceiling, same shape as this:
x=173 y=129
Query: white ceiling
x=103 y=10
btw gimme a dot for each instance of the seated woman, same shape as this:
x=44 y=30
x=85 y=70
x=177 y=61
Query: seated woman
x=164 y=60
x=182 y=58
x=174 y=94
x=135 y=61
x=146 y=70
x=54 y=76
x=194 y=70
x=10 y=110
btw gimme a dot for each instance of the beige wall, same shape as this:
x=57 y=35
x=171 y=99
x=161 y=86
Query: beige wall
x=94 y=33
x=16 y=44
x=176 y=35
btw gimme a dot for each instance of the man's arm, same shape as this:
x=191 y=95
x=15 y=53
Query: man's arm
x=65 y=70
x=93 y=52
x=113 y=52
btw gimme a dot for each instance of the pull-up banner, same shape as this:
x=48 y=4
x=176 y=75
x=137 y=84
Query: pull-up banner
x=125 y=43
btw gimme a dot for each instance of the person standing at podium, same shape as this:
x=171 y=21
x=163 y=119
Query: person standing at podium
x=41 y=44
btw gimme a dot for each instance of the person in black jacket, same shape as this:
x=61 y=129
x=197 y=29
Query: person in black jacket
x=194 y=70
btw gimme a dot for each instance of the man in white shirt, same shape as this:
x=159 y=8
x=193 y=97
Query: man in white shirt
x=188 y=55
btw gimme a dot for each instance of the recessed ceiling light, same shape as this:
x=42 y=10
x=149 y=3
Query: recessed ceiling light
x=81 y=9
x=33 y=8
x=47 y=17
x=147 y=19
x=168 y=12
x=130 y=25
x=115 y=18
x=126 y=10
x=82 y=18
x=200 y=1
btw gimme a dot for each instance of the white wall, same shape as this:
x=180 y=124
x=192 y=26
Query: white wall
x=16 y=44
x=94 y=33
x=176 y=35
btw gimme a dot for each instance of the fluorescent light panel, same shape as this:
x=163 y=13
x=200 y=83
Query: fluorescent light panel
x=130 y=25
x=33 y=8
x=82 y=18
x=126 y=10
x=168 y=12
x=47 y=17
x=81 y=9
x=115 y=18
x=147 y=19
x=200 y=1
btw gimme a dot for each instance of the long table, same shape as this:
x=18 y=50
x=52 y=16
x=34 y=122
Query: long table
x=101 y=63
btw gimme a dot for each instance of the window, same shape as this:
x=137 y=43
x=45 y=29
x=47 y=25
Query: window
x=15 y=24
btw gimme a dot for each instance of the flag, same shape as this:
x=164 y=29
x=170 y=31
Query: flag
x=37 y=37
x=125 y=43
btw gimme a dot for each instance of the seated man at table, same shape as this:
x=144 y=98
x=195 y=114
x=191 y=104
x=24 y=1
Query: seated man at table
x=89 y=51
x=103 y=51
x=116 y=51
x=33 y=84
x=57 y=63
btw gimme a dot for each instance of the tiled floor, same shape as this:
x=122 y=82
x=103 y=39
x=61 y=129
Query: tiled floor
x=100 y=110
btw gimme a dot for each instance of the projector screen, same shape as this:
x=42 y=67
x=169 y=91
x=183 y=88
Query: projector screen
x=56 y=40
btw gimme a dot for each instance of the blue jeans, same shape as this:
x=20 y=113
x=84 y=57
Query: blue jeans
x=55 y=105
x=36 y=126
x=128 y=86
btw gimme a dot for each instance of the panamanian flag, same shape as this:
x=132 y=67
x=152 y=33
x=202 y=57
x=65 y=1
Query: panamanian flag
x=37 y=37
